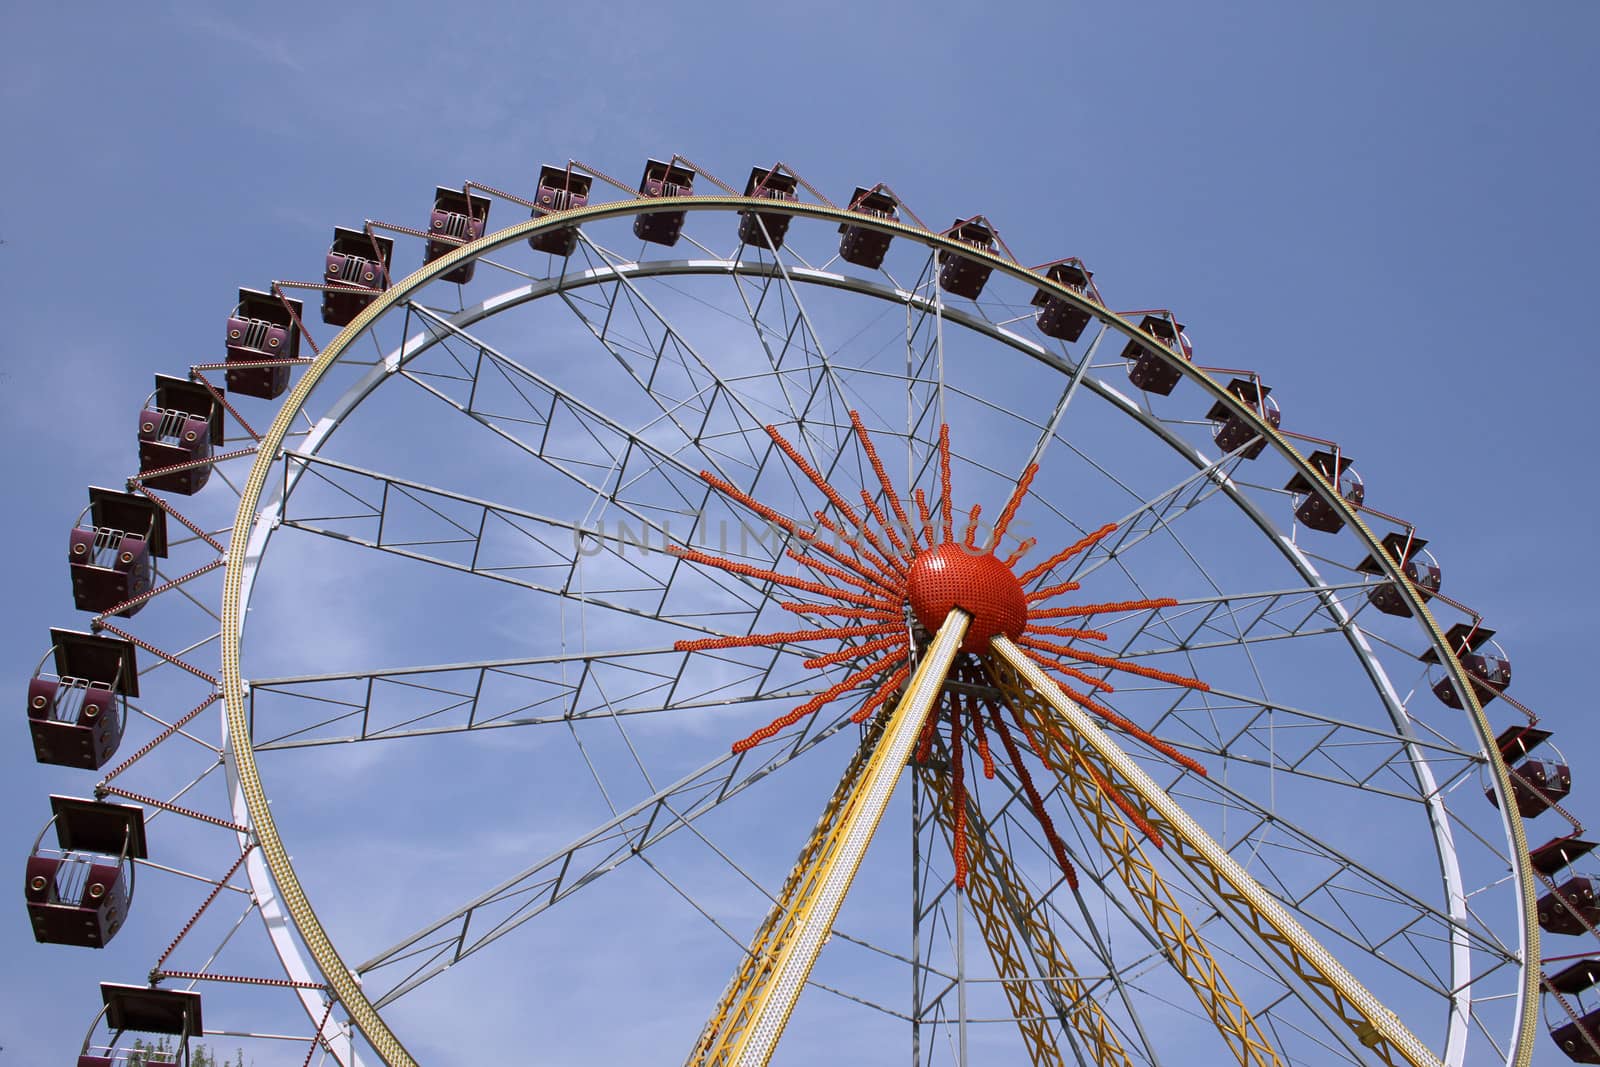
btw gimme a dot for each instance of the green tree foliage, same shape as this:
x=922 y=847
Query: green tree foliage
x=159 y=1054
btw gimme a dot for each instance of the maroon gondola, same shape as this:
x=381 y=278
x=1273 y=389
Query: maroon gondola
x=1481 y=657
x=79 y=893
x=262 y=329
x=766 y=229
x=1537 y=785
x=460 y=216
x=559 y=190
x=1559 y=852
x=1232 y=431
x=1057 y=317
x=181 y=424
x=76 y=715
x=1579 y=1038
x=663 y=181
x=1150 y=371
x=112 y=550
x=959 y=274
x=862 y=245
x=1419 y=567
x=357 y=268
x=1312 y=507
x=1515 y=742
x=1570 y=908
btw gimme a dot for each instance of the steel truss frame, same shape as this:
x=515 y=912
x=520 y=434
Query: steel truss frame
x=256 y=521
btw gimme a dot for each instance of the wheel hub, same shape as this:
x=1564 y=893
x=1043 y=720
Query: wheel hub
x=955 y=576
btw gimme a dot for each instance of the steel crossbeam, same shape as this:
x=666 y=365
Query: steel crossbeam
x=484 y=538
x=467 y=697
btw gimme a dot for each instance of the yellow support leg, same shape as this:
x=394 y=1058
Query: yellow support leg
x=753 y=1019
x=1181 y=942
x=737 y=994
x=1375 y=1025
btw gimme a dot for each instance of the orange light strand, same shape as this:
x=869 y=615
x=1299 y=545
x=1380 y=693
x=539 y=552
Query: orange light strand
x=786 y=524
x=851 y=651
x=783 y=722
x=883 y=480
x=897 y=562
x=1022 y=550
x=884 y=691
x=1126 y=725
x=1034 y=800
x=1117 y=665
x=946 y=506
x=833 y=495
x=816 y=479
x=885 y=573
x=972 y=527
x=982 y=737
x=1017 y=495
x=1053 y=590
x=872 y=539
x=838 y=611
x=1068 y=552
x=705 y=644
x=925 y=742
x=1071 y=672
x=1121 y=800
x=694 y=555
x=1068 y=631
x=1027 y=734
x=1111 y=607
x=730 y=491
x=923 y=513
x=843 y=576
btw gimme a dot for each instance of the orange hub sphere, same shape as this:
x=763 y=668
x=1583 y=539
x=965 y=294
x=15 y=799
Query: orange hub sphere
x=953 y=576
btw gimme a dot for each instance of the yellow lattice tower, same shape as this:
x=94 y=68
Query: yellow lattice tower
x=1007 y=914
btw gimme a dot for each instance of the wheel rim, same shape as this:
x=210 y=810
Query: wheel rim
x=249 y=538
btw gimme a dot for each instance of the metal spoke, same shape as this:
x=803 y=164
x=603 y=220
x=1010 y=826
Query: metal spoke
x=490 y=540
x=1052 y=426
x=445 y=941
x=459 y=698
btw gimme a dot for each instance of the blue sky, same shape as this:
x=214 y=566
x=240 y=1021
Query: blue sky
x=1389 y=206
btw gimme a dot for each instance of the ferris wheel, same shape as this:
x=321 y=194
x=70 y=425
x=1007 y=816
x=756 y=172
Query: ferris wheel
x=726 y=625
